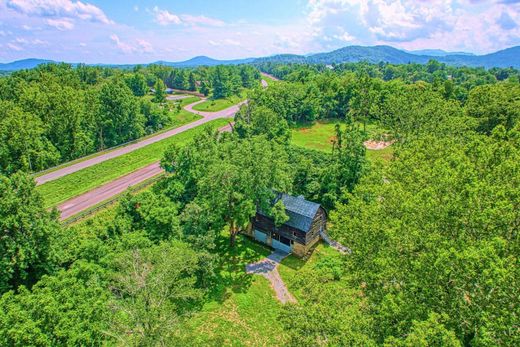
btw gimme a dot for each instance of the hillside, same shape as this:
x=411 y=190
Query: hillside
x=375 y=54
x=509 y=57
x=23 y=64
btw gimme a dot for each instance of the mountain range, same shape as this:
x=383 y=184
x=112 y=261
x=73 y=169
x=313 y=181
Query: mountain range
x=509 y=57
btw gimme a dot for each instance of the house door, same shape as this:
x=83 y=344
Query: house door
x=282 y=243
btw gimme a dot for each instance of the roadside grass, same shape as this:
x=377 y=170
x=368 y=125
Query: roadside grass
x=268 y=79
x=178 y=119
x=214 y=105
x=320 y=134
x=66 y=187
x=241 y=310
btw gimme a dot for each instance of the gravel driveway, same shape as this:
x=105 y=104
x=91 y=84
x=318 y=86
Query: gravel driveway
x=268 y=267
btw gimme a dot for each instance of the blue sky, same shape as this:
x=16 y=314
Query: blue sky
x=141 y=31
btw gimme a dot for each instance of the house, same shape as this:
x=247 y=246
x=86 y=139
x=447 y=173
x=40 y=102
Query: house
x=299 y=234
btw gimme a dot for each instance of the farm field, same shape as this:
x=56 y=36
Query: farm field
x=84 y=180
x=319 y=136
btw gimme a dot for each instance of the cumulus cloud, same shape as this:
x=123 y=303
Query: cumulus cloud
x=138 y=46
x=61 y=24
x=165 y=17
x=14 y=47
x=59 y=9
x=406 y=23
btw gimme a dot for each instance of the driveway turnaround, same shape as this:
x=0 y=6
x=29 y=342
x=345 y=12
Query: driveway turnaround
x=268 y=267
x=207 y=117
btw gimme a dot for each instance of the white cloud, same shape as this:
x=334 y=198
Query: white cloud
x=449 y=24
x=201 y=20
x=59 y=9
x=140 y=45
x=165 y=17
x=61 y=24
x=225 y=42
x=14 y=47
x=145 y=45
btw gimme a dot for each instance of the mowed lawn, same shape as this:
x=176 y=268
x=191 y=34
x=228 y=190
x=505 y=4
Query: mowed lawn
x=320 y=135
x=242 y=309
x=79 y=182
x=214 y=105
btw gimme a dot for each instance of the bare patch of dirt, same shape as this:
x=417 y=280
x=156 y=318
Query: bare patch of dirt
x=377 y=145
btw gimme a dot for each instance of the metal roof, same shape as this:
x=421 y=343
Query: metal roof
x=300 y=211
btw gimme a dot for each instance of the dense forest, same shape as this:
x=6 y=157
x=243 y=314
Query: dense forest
x=433 y=232
x=56 y=113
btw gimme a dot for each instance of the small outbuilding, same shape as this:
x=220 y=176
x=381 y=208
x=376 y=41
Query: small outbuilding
x=307 y=220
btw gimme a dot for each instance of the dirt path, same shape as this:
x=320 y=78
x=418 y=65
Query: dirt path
x=377 y=145
x=335 y=244
x=268 y=267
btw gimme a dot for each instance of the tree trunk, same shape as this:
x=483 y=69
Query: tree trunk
x=233 y=234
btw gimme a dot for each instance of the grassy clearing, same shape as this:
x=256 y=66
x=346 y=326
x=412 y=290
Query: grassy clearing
x=319 y=136
x=79 y=182
x=241 y=310
x=214 y=105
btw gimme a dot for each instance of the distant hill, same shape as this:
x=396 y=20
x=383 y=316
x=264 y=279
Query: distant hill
x=437 y=52
x=374 y=54
x=23 y=64
x=204 y=61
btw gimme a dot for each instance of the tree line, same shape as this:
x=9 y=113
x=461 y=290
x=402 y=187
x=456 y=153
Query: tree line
x=56 y=113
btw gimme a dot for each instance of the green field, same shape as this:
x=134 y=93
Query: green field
x=79 y=182
x=214 y=105
x=319 y=136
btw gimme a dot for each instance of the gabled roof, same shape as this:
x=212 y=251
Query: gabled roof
x=301 y=212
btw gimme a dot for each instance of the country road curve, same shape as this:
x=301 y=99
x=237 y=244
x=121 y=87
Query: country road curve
x=207 y=117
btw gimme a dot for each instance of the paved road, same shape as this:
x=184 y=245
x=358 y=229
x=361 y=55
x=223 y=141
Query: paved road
x=82 y=202
x=207 y=116
x=89 y=199
x=269 y=76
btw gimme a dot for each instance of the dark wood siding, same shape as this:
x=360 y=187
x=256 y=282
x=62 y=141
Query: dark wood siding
x=266 y=224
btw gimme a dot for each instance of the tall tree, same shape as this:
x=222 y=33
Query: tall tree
x=118 y=116
x=159 y=95
x=27 y=229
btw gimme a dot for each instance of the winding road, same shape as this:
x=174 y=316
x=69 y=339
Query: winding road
x=91 y=198
x=207 y=117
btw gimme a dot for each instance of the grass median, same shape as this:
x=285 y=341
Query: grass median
x=178 y=119
x=214 y=105
x=82 y=181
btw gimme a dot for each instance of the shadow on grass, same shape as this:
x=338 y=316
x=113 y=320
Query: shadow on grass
x=231 y=272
